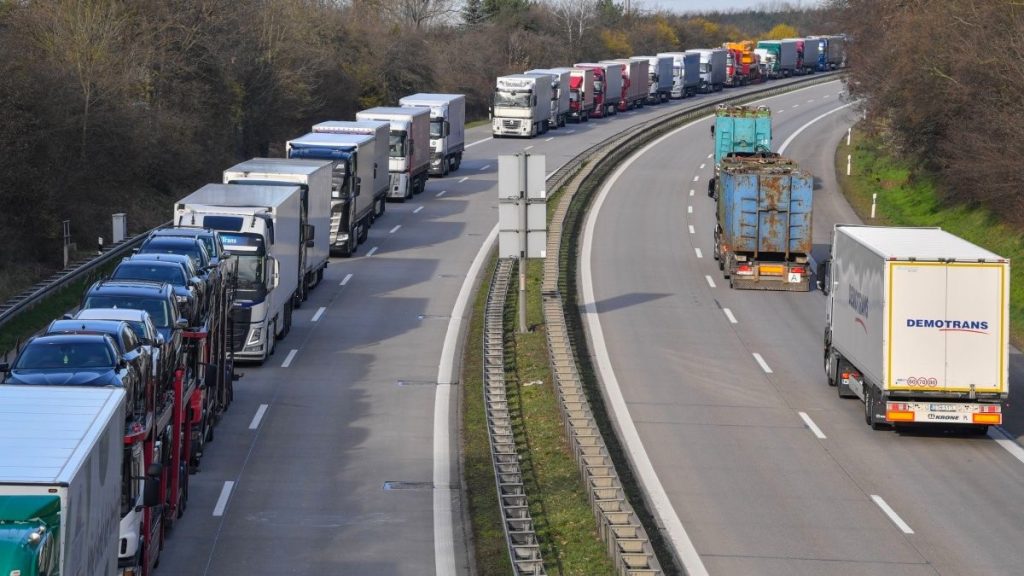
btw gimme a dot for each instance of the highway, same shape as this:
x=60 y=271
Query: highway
x=340 y=454
x=763 y=466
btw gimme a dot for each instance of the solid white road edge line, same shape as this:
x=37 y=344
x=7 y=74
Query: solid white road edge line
x=345 y=279
x=792 y=136
x=288 y=359
x=764 y=365
x=395 y=229
x=372 y=251
x=479 y=142
x=222 y=501
x=444 y=545
x=319 y=313
x=711 y=281
x=729 y=315
x=683 y=546
x=892 y=514
x=1006 y=441
x=258 y=417
x=814 y=427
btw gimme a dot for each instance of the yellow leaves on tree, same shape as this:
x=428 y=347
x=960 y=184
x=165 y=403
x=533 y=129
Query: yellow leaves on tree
x=780 y=31
x=665 y=34
x=617 y=43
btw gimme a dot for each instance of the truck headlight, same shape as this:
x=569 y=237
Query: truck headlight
x=254 y=336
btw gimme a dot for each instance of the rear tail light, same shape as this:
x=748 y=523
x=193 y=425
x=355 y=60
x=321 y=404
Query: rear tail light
x=898 y=412
x=744 y=269
x=987 y=418
x=798 y=270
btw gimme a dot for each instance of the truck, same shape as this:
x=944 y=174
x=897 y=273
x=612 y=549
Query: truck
x=259 y=226
x=60 y=479
x=313 y=177
x=604 y=105
x=741 y=63
x=659 y=78
x=806 y=57
x=781 y=57
x=582 y=94
x=762 y=236
x=408 y=148
x=447 y=129
x=740 y=131
x=381 y=132
x=917 y=326
x=559 y=94
x=631 y=95
x=351 y=157
x=685 y=73
x=712 y=68
x=829 y=52
x=522 y=105
x=611 y=83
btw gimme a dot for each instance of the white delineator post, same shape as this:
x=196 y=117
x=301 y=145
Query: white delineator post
x=848 y=159
x=848 y=132
x=874 y=200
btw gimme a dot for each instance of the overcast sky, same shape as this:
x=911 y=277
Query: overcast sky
x=682 y=6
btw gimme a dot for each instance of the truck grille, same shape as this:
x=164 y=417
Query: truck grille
x=335 y=225
x=510 y=124
x=241 y=317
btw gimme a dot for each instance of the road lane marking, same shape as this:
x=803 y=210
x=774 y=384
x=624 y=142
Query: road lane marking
x=395 y=229
x=549 y=139
x=796 y=105
x=764 y=365
x=345 y=279
x=696 y=178
x=371 y=252
x=444 y=541
x=689 y=209
x=711 y=155
x=442 y=193
x=418 y=208
x=698 y=252
x=485 y=167
x=811 y=100
x=691 y=229
x=258 y=417
x=570 y=131
x=805 y=126
x=479 y=141
x=660 y=502
x=1006 y=441
x=528 y=147
x=288 y=359
x=814 y=427
x=702 y=166
x=729 y=315
x=711 y=281
x=319 y=313
x=892 y=514
x=463 y=179
x=691 y=192
x=222 y=501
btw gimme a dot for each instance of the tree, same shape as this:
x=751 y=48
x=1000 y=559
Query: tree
x=575 y=17
x=473 y=13
x=781 y=31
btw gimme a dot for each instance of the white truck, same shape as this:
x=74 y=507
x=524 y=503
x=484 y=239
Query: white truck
x=381 y=132
x=522 y=105
x=581 y=94
x=314 y=178
x=260 y=226
x=685 y=73
x=635 y=82
x=712 y=68
x=659 y=78
x=61 y=457
x=559 y=94
x=354 y=173
x=408 y=148
x=917 y=326
x=447 y=128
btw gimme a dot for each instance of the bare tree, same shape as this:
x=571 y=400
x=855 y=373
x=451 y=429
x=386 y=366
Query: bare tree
x=575 y=17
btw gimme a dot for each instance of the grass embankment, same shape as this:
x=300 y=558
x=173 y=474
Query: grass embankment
x=906 y=198
x=558 y=501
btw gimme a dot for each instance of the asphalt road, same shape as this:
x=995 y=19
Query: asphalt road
x=766 y=469
x=295 y=482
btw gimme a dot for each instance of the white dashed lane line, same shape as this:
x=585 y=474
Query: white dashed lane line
x=288 y=359
x=729 y=315
x=258 y=417
x=691 y=229
x=764 y=365
x=442 y=193
x=222 y=501
x=418 y=208
x=395 y=229
x=814 y=427
x=903 y=526
x=485 y=167
x=711 y=281
x=372 y=251
x=345 y=279
x=319 y=313
x=698 y=252
x=702 y=166
x=689 y=209
x=691 y=192
x=463 y=179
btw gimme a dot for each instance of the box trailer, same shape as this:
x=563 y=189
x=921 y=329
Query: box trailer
x=380 y=130
x=522 y=105
x=408 y=148
x=559 y=94
x=447 y=128
x=917 y=326
x=581 y=94
x=659 y=78
x=685 y=73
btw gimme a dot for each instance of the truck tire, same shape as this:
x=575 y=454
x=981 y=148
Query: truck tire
x=288 y=310
x=458 y=160
x=711 y=187
x=364 y=232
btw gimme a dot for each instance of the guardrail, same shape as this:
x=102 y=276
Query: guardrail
x=520 y=535
x=620 y=525
x=76 y=271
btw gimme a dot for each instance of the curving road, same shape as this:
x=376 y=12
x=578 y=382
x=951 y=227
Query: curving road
x=358 y=396
x=763 y=466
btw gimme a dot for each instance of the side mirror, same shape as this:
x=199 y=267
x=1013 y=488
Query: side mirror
x=160 y=339
x=823 y=276
x=310 y=235
x=181 y=323
x=274 y=278
x=67 y=317
x=359 y=185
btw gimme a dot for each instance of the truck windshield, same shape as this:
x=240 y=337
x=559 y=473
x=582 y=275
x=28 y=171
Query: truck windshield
x=43 y=355
x=437 y=128
x=339 y=179
x=511 y=99
x=158 y=308
x=396 y=144
x=598 y=86
x=574 y=96
x=705 y=67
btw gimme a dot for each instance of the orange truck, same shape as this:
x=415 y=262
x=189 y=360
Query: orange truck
x=741 y=63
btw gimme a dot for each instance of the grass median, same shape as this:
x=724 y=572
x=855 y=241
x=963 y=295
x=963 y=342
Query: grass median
x=906 y=198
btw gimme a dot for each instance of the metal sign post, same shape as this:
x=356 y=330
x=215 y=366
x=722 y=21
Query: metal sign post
x=522 y=215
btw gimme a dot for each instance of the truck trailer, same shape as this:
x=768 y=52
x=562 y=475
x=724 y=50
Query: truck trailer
x=917 y=326
x=611 y=83
x=447 y=128
x=635 y=82
x=605 y=102
x=314 y=178
x=659 y=78
x=780 y=56
x=763 y=231
x=380 y=130
x=408 y=148
x=581 y=94
x=259 y=226
x=354 y=175
x=559 y=94
x=712 y=68
x=740 y=131
x=60 y=479
x=685 y=73
x=522 y=105
x=806 y=55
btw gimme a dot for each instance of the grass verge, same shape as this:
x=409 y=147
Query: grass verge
x=906 y=198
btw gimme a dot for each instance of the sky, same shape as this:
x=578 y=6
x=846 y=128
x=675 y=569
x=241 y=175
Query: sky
x=720 y=5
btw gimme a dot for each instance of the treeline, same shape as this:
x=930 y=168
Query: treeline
x=125 y=105
x=942 y=81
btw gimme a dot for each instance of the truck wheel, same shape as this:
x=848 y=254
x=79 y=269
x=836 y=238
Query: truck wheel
x=288 y=309
x=458 y=161
x=711 y=187
x=364 y=232
x=272 y=340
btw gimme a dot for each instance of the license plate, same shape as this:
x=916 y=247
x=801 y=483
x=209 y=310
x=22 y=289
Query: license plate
x=942 y=407
x=771 y=269
x=794 y=278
